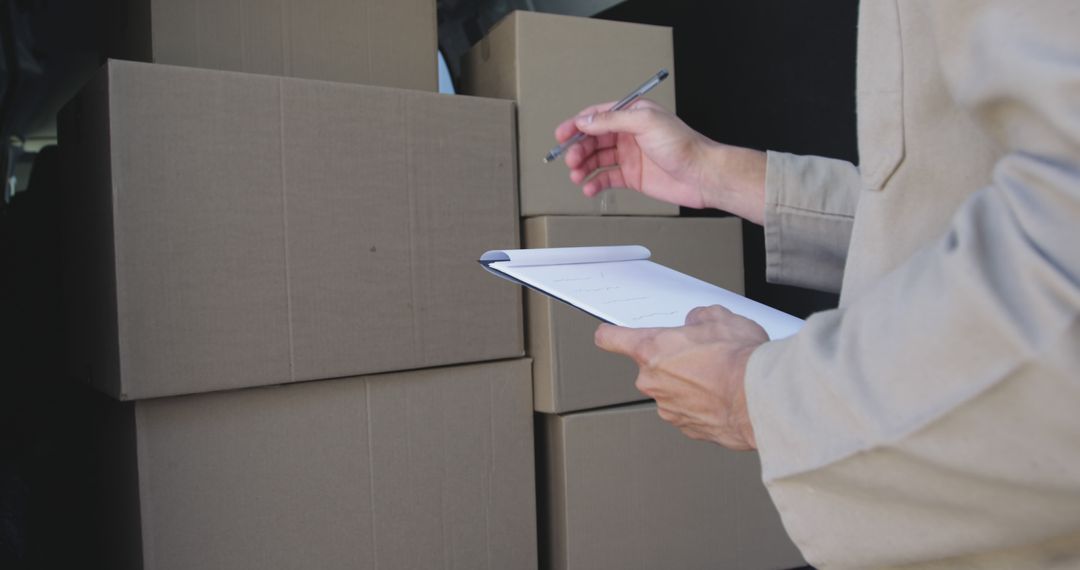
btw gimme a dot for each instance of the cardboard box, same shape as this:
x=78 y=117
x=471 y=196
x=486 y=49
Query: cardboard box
x=234 y=230
x=620 y=488
x=554 y=66
x=569 y=372
x=391 y=43
x=422 y=469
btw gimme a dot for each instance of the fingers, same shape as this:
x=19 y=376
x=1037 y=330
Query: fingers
x=567 y=128
x=620 y=340
x=602 y=181
x=577 y=155
x=588 y=161
x=649 y=384
x=668 y=415
x=683 y=422
x=597 y=119
x=635 y=119
x=594 y=109
x=601 y=159
x=645 y=344
x=626 y=341
x=701 y=315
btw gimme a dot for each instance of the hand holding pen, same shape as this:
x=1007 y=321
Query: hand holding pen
x=618 y=106
x=647 y=148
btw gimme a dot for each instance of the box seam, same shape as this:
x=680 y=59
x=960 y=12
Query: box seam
x=410 y=185
x=146 y=524
x=286 y=47
x=285 y=229
x=371 y=475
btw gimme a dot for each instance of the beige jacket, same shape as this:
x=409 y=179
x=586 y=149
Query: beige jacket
x=934 y=418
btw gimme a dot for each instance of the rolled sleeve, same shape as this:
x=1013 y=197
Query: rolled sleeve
x=809 y=209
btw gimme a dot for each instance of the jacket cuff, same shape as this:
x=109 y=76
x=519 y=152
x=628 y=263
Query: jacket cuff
x=809 y=209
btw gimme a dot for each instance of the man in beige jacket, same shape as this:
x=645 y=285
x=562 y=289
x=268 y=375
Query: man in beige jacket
x=934 y=418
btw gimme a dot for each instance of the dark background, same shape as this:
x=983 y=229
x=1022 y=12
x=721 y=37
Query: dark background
x=768 y=74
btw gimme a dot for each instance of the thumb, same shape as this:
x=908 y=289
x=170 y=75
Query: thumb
x=634 y=120
x=623 y=340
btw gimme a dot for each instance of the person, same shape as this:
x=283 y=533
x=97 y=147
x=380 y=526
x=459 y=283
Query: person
x=931 y=419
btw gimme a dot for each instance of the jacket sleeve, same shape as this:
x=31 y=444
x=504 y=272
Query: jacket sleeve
x=809 y=207
x=935 y=416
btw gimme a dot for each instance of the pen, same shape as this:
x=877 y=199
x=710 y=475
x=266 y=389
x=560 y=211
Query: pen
x=621 y=104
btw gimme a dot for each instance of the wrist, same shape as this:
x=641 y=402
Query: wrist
x=743 y=424
x=736 y=181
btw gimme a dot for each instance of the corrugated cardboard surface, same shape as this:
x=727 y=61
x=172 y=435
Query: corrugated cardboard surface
x=620 y=488
x=267 y=230
x=391 y=43
x=570 y=373
x=553 y=66
x=424 y=469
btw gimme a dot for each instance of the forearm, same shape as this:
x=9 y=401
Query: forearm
x=938 y=408
x=736 y=178
x=806 y=203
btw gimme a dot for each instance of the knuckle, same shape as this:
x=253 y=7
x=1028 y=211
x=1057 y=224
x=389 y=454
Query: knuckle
x=643 y=385
x=709 y=314
x=693 y=434
x=647 y=111
x=696 y=315
x=715 y=311
x=647 y=352
x=719 y=309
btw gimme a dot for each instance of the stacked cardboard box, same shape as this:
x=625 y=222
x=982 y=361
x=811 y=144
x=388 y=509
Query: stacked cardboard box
x=237 y=230
x=553 y=66
x=626 y=490
x=376 y=42
x=618 y=487
x=249 y=252
x=419 y=469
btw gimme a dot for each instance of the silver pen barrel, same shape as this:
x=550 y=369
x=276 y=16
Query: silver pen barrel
x=653 y=81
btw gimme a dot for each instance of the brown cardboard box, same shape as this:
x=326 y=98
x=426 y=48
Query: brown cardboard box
x=422 y=469
x=620 y=488
x=235 y=230
x=553 y=66
x=569 y=372
x=376 y=42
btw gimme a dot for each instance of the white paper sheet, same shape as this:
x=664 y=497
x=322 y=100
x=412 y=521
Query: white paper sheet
x=624 y=288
